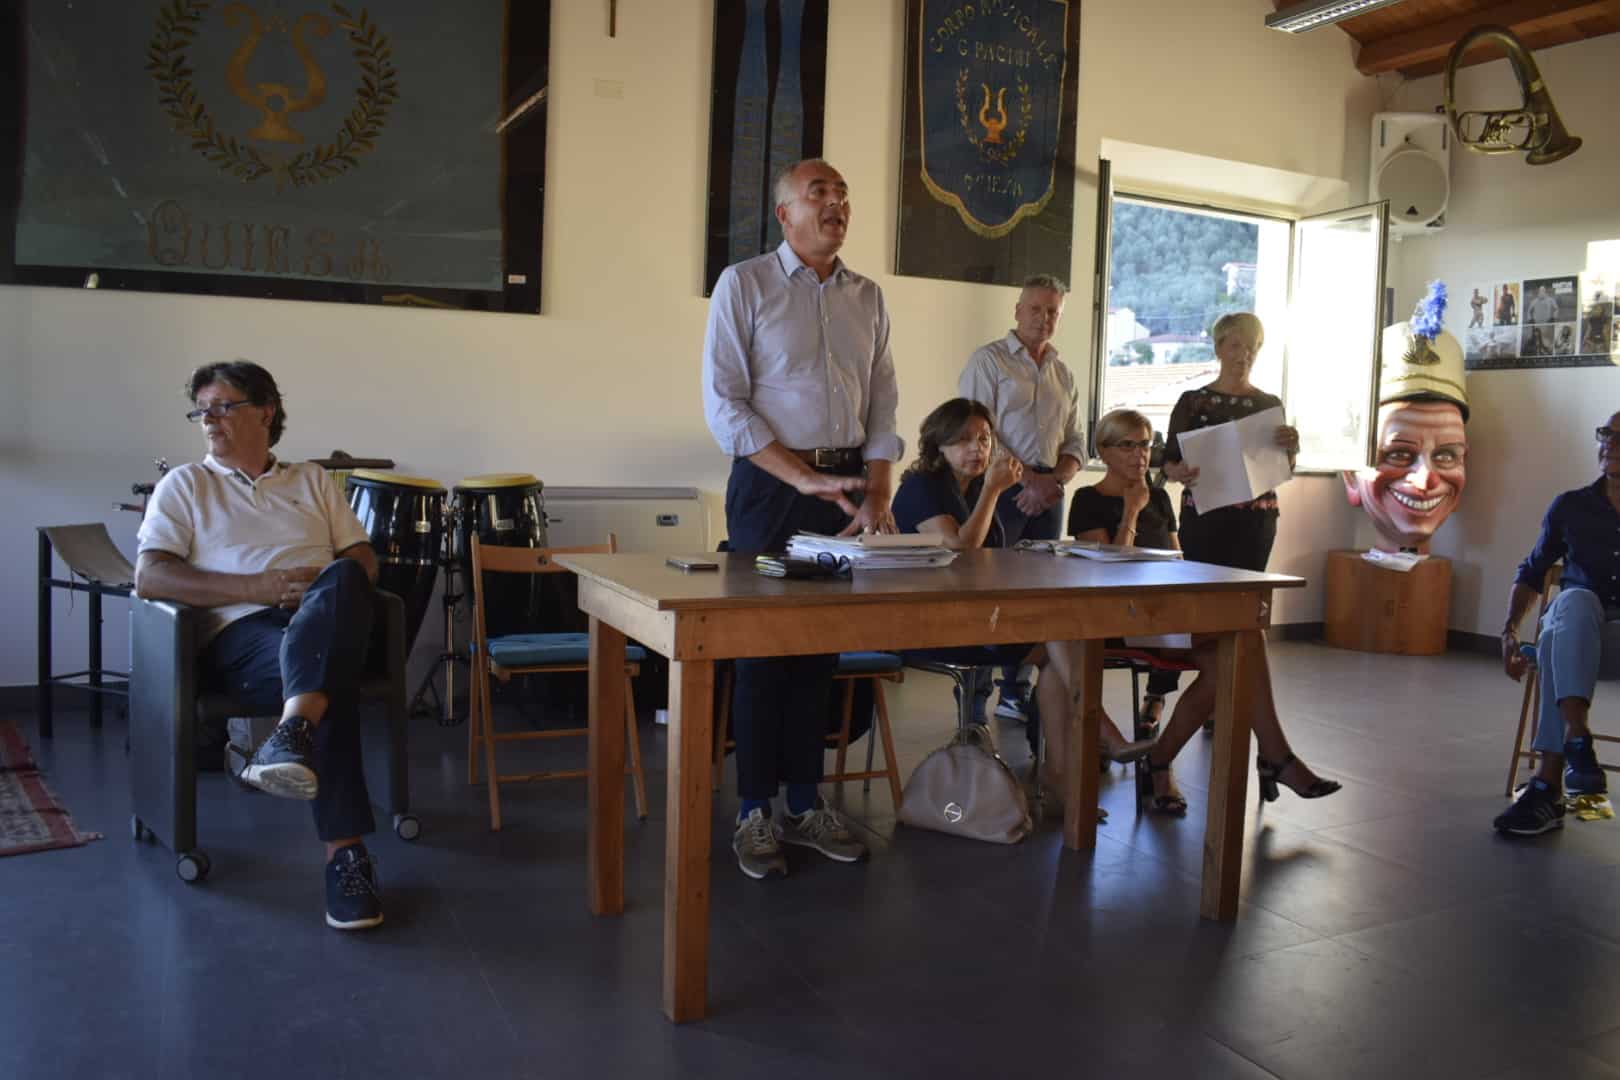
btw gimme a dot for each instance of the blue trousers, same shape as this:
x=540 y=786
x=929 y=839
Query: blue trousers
x=778 y=705
x=1570 y=652
x=264 y=658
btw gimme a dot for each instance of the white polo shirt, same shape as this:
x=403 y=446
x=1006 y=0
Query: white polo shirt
x=217 y=519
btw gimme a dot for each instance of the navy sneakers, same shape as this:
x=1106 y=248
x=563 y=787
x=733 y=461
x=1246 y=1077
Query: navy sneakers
x=281 y=766
x=353 y=899
x=1539 y=809
x=1582 y=773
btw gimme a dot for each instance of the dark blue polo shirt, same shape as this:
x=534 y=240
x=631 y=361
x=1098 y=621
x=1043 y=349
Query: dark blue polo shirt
x=925 y=495
x=1583 y=528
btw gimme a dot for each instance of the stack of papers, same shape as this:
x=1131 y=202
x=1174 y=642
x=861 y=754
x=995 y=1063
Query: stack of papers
x=878 y=551
x=1238 y=461
x=1404 y=561
x=1114 y=552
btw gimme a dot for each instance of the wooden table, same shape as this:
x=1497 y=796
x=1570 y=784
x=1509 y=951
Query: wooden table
x=985 y=597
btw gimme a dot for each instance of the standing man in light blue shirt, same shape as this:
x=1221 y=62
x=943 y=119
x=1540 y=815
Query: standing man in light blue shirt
x=1032 y=394
x=799 y=388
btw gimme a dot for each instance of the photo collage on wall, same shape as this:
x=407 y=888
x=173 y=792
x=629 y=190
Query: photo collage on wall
x=1561 y=321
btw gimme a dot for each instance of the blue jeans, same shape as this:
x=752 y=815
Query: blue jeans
x=1577 y=635
x=264 y=658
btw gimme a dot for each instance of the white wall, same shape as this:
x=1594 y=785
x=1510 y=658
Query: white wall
x=1529 y=432
x=603 y=388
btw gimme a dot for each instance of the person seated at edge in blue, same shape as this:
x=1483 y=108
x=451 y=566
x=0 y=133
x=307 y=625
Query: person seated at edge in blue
x=1579 y=634
x=950 y=491
x=286 y=573
x=1122 y=508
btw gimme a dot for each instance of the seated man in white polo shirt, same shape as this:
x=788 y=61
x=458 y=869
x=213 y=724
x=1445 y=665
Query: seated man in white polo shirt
x=286 y=572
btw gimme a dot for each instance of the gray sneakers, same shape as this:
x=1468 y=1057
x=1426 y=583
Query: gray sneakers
x=822 y=829
x=758 y=844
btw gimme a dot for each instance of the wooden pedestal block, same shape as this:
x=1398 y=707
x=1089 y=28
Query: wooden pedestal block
x=1372 y=609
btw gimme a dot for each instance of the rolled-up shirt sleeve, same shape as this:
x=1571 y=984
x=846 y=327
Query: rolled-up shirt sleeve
x=727 y=384
x=883 y=441
x=1074 y=440
x=1551 y=546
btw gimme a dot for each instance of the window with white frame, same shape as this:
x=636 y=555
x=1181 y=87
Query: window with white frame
x=1172 y=269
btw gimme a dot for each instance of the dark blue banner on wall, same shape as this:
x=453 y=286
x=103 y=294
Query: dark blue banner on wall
x=987 y=180
x=769 y=95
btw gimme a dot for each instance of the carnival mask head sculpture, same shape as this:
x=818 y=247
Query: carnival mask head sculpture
x=1419 y=465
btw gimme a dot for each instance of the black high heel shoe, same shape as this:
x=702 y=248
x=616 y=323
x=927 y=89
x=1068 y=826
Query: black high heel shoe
x=1270 y=779
x=1173 y=802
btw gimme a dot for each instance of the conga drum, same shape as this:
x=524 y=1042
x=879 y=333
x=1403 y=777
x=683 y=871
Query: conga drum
x=404 y=516
x=504 y=509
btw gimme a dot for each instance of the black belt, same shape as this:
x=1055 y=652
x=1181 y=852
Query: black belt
x=831 y=459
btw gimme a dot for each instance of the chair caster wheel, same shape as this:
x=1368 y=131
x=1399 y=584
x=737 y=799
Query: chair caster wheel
x=192 y=867
x=407 y=827
x=138 y=830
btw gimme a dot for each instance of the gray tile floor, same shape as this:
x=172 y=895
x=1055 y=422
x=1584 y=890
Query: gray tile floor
x=1385 y=931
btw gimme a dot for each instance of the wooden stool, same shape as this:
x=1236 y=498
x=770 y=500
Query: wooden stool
x=1373 y=609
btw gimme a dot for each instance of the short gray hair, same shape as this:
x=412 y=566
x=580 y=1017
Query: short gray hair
x=782 y=186
x=1047 y=281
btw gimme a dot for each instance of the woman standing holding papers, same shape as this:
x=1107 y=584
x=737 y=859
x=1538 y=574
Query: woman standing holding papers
x=1240 y=535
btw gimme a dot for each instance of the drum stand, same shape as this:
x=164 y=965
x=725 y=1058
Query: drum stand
x=444 y=709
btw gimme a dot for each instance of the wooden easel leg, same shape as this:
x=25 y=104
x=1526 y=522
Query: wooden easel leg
x=686 y=855
x=1228 y=775
x=605 y=854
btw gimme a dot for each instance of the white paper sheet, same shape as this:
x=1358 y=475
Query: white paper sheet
x=1236 y=461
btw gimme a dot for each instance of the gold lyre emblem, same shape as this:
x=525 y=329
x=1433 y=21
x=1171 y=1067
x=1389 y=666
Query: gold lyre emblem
x=275 y=100
x=993 y=124
x=171 y=67
x=998 y=136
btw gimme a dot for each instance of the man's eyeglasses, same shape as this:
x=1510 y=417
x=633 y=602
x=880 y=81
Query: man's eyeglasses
x=1608 y=434
x=219 y=410
x=1131 y=444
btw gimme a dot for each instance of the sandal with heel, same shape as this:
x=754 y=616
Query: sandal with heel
x=1271 y=780
x=1147 y=723
x=1173 y=802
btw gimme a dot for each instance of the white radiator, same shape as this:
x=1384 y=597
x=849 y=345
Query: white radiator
x=659 y=519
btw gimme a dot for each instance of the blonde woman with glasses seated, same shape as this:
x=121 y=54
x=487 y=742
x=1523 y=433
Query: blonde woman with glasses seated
x=1122 y=508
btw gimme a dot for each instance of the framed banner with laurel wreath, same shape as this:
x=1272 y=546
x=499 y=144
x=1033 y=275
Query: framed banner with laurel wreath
x=987 y=154
x=372 y=151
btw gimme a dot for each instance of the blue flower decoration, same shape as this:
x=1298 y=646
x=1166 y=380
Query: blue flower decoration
x=1428 y=317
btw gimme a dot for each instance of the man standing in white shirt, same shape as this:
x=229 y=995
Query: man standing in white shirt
x=799 y=389
x=1033 y=396
x=286 y=572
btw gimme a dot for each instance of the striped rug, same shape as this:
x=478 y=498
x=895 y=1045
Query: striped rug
x=30 y=817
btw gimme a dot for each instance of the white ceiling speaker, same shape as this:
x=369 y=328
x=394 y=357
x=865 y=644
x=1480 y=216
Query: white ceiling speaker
x=1411 y=167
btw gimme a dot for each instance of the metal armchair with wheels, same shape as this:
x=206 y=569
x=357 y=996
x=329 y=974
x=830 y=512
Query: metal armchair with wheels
x=168 y=702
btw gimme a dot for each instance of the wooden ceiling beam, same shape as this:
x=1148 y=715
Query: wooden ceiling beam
x=1430 y=44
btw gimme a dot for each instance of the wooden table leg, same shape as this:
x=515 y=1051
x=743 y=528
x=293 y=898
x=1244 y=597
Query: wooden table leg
x=1228 y=776
x=605 y=855
x=1080 y=775
x=686 y=854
